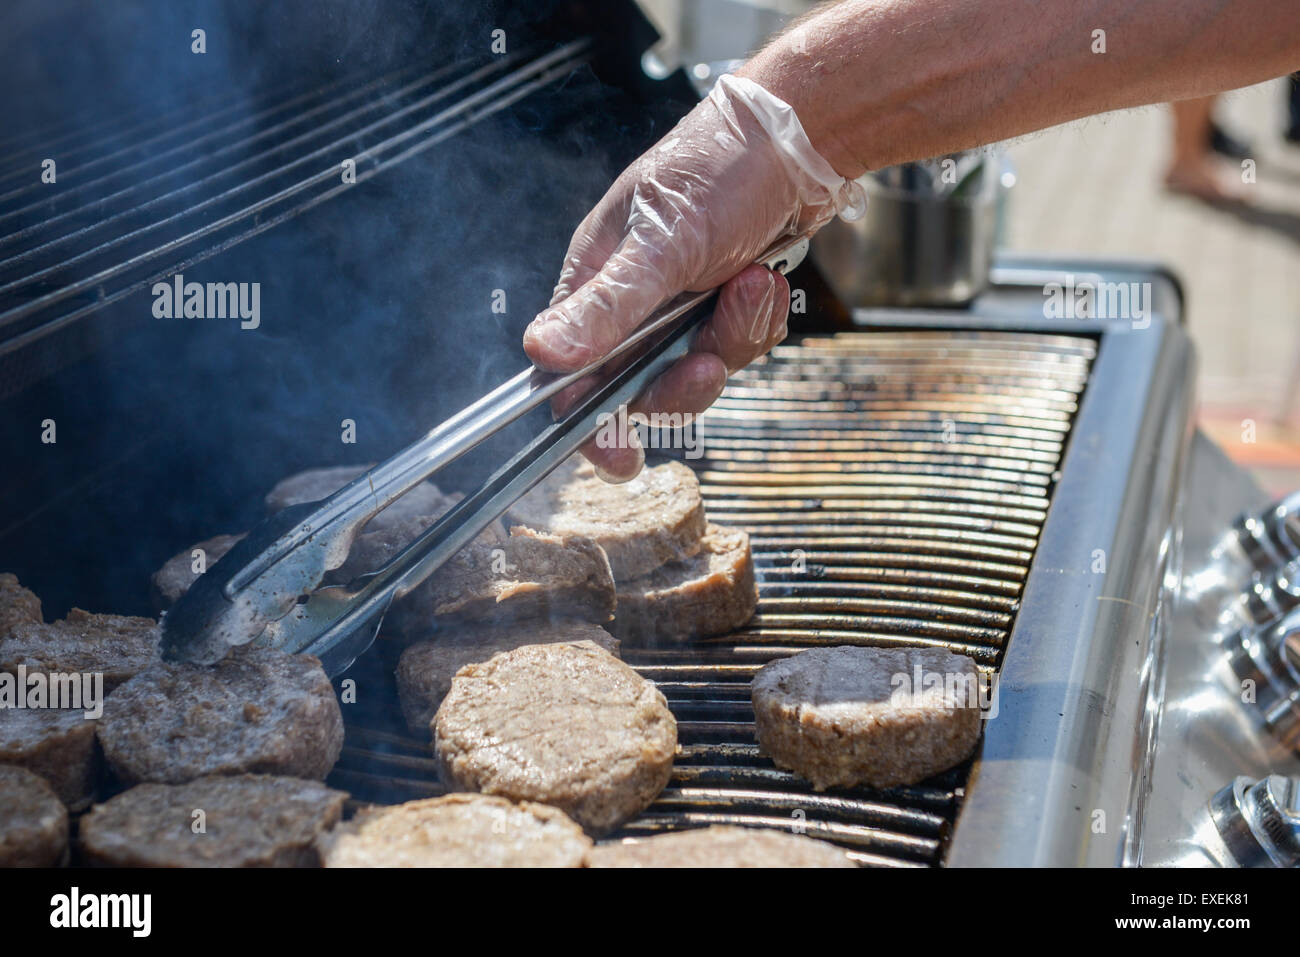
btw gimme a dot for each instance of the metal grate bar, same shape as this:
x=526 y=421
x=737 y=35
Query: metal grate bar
x=96 y=132
x=224 y=223
x=206 y=158
x=159 y=150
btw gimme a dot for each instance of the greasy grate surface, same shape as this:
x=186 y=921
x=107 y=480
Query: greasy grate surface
x=894 y=485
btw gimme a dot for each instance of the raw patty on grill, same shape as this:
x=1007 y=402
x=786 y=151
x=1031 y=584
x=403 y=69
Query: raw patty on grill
x=259 y=711
x=710 y=594
x=177 y=575
x=249 y=820
x=565 y=724
x=58 y=744
x=426 y=668
x=459 y=830
x=117 y=646
x=832 y=716
x=18 y=606
x=531 y=576
x=721 y=846
x=33 y=821
x=657 y=517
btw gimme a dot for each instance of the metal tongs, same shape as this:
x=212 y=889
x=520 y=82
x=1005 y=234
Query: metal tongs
x=267 y=588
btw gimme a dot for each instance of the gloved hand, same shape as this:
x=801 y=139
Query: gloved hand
x=695 y=211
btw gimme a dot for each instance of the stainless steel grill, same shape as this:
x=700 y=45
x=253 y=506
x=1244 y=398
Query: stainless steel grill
x=896 y=481
x=894 y=485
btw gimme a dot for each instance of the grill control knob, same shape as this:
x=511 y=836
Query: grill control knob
x=1259 y=821
x=1253 y=575
x=1268 y=656
x=1271 y=538
x=1269 y=596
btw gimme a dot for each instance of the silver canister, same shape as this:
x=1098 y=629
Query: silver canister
x=927 y=237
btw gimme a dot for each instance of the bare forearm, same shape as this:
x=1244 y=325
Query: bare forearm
x=878 y=82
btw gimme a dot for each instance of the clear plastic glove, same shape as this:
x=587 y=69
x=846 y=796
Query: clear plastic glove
x=734 y=176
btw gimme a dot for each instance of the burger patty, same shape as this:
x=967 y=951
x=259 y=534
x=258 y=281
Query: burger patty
x=386 y=533
x=655 y=518
x=251 y=820
x=426 y=668
x=397 y=526
x=720 y=846
x=33 y=821
x=311 y=485
x=459 y=830
x=177 y=575
x=116 y=646
x=709 y=594
x=18 y=606
x=565 y=724
x=847 y=716
x=528 y=577
x=258 y=711
x=58 y=745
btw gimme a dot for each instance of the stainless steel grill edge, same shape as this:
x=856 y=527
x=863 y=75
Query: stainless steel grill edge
x=1065 y=781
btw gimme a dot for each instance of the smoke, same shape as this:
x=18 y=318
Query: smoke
x=377 y=311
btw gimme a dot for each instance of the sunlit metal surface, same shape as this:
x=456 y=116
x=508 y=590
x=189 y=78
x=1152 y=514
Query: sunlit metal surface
x=1209 y=735
x=1063 y=776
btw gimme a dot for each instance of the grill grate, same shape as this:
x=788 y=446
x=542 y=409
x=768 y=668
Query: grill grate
x=139 y=205
x=894 y=485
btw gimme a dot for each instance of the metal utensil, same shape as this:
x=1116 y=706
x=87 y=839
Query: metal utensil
x=265 y=589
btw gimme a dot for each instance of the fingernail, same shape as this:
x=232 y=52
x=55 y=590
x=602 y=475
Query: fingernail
x=555 y=336
x=758 y=330
x=633 y=441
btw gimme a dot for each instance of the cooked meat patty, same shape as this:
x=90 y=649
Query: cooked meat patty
x=117 y=646
x=259 y=711
x=847 y=716
x=425 y=670
x=565 y=724
x=459 y=830
x=388 y=532
x=33 y=821
x=709 y=594
x=311 y=485
x=18 y=606
x=177 y=575
x=249 y=820
x=528 y=577
x=657 y=517
x=398 y=525
x=57 y=744
x=720 y=846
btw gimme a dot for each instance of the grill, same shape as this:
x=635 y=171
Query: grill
x=894 y=485
x=898 y=480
